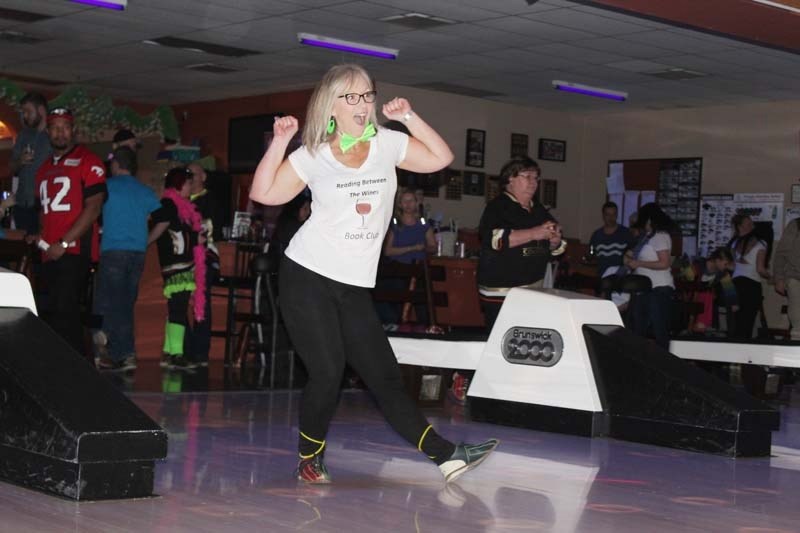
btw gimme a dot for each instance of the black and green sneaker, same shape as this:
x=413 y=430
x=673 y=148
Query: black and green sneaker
x=465 y=458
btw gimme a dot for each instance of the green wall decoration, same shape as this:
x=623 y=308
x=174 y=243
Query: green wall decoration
x=95 y=116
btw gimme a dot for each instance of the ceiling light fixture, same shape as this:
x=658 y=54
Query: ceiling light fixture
x=587 y=90
x=117 y=5
x=779 y=5
x=347 y=46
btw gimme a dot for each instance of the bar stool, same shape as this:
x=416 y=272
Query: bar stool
x=264 y=311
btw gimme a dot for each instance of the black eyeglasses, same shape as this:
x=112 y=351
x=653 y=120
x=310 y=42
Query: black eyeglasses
x=529 y=176
x=354 y=98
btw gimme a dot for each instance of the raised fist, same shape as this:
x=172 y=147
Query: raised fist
x=396 y=108
x=285 y=127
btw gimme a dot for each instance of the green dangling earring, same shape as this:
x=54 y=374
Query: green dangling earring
x=331 y=126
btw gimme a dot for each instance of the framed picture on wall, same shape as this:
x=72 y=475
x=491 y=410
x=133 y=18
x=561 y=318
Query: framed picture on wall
x=552 y=150
x=455 y=186
x=492 y=187
x=549 y=195
x=476 y=147
x=474 y=183
x=519 y=145
x=796 y=193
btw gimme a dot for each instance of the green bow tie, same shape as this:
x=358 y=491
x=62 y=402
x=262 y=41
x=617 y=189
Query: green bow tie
x=347 y=141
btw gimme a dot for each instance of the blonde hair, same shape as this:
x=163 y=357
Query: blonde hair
x=333 y=84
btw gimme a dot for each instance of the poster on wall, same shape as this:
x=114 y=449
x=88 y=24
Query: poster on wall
x=790 y=214
x=762 y=207
x=717 y=211
x=679 y=191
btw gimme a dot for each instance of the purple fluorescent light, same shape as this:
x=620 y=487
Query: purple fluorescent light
x=589 y=92
x=345 y=48
x=101 y=3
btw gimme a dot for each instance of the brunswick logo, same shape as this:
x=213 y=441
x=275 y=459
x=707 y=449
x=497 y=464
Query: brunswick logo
x=532 y=346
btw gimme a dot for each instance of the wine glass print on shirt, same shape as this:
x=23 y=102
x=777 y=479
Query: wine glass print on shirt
x=363 y=208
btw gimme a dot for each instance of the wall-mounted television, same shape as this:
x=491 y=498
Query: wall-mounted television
x=248 y=138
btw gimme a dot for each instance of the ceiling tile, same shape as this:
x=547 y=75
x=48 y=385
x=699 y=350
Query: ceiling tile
x=534 y=32
x=527 y=60
x=618 y=46
x=473 y=32
x=588 y=22
x=449 y=9
x=638 y=65
x=679 y=42
x=570 y=51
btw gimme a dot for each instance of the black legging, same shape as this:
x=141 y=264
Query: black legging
x=66 y=283
x=749 y=295
x=330 y=324
x=178 y=307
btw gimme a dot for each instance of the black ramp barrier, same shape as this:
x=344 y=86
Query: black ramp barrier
x=64 y=429
x=652 y=396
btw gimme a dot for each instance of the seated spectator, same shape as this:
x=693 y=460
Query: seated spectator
x=409 y=236
x=650 y=257
x=721 y=293
x=408 y=240
x=609 y=243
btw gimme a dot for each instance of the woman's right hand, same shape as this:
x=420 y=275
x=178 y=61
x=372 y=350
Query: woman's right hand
x=544 y=232
x=285 y=128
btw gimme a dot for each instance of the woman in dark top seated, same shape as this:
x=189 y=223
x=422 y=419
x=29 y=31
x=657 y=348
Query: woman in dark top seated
x=409 y=236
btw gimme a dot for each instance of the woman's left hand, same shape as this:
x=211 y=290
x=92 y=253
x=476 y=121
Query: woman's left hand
x=556 y=236
x=396 y=108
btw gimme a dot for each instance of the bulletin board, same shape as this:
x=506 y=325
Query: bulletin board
x=674 y=183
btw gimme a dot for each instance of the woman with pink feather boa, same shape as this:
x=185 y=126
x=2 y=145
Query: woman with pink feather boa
x=181 y=254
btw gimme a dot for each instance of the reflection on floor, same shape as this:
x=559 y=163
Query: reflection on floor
x=150 y=377
x=231 y=457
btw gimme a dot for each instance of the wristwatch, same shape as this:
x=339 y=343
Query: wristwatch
x=64 y=244
x=407 y=116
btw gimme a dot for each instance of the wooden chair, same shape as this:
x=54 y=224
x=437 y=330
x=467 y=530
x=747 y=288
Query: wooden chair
x=17 y=256
x=236 y=286
x=416 y=288
x=260 y=326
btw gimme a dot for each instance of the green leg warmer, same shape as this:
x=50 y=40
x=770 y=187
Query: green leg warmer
x=173 y=341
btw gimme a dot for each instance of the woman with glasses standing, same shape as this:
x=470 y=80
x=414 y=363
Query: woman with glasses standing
x=349 y=165
x=518 y=237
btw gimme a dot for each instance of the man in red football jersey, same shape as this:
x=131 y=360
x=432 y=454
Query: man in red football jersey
x=71 y=189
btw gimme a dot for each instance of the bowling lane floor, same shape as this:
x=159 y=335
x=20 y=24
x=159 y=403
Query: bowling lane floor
x=231 y=461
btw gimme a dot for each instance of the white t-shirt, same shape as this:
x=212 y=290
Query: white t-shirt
x=747 y=264
x=658 y=242
x=350 y=210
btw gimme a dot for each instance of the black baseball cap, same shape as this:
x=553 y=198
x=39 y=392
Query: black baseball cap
x=125 y=135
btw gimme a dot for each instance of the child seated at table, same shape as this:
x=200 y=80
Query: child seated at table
x=719 y=296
